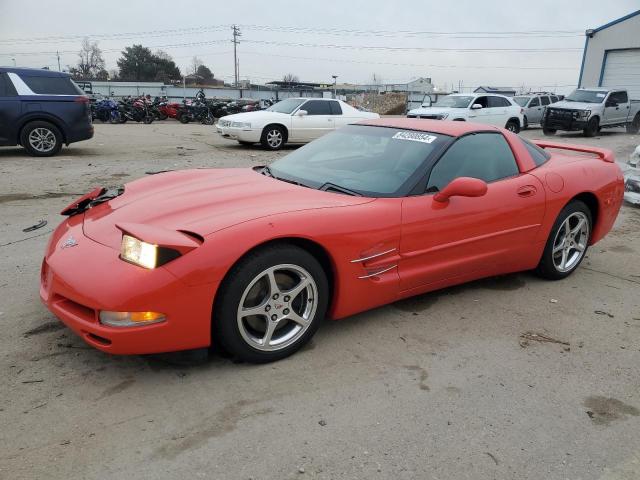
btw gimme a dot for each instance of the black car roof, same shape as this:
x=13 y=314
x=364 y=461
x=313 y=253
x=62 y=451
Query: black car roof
x=33 y=72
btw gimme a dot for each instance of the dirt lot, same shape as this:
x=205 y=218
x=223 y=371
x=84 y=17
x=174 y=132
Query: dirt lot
x=441 y=386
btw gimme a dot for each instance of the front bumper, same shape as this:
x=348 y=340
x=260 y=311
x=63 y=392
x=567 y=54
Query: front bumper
x=567 y=122
x=77 y=282
x=240 y=134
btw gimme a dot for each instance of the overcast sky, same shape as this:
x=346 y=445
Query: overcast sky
x=397 y=41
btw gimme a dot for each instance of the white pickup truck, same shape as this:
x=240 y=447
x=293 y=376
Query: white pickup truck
x=590 y=109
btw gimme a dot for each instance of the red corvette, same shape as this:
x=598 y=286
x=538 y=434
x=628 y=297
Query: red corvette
x=374 y=212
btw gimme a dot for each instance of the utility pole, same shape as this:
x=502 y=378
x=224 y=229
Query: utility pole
x=236 y=34
x=58 y=55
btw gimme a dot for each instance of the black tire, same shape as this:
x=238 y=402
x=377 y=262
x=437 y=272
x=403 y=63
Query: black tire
x=592 y=128
x=513 y=126
x=548 y=131
x=270 y=135
x=226 y=330
x=634 y=127
x=547 y=267
x=525 y=123
x=184 y=119
x=148 y=119
x=161 y=116
x=33 y=131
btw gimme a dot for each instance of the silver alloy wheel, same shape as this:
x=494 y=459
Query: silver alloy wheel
x=274 y=138
x=570 y=242
x=42 y=139
x=277 y=307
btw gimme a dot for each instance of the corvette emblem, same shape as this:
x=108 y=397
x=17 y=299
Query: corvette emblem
x=69 y=242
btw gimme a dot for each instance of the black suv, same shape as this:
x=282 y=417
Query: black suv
x=41 y=110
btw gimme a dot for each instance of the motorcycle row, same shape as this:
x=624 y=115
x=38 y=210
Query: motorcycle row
x=146 y=110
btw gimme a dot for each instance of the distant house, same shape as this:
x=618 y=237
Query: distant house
x=508 y=91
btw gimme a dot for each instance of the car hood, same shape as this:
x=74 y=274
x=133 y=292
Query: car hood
x=434 y=110
x=203 y=201
x=575 y=105
x=260 y=115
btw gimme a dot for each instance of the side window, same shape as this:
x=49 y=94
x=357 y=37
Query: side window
x=486 y=156
x=51 y=85
x=619 y=97
x=534 y=102
x=482 y=101
x=317 y=107
x=6 y=87
x=544 y=100
x=538 y=154
x=335 y=108
x=554 y=99
x=498 y=102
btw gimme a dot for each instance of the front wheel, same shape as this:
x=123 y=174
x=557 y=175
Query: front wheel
x=273 y=138
x=513 y=126
x=592 y=128
x=548 y=131
x=184 y=118
x=567 y=243
x=271 y=304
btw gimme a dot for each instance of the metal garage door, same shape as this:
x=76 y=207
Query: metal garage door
x=622 y=70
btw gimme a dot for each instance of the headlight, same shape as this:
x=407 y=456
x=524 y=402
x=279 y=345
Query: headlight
x=241 y=124
x=583 y=113
x=138 y=252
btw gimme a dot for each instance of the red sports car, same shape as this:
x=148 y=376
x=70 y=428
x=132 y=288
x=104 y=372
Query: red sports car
x=255 y=259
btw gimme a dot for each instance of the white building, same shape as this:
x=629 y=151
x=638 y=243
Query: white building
x=612 y=55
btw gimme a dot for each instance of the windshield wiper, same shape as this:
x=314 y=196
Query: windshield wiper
x=266 y=171
x=328 y=186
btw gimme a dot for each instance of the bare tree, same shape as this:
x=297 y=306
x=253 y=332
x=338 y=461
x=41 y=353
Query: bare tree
x=290 y=78
x=196 y=63
x=91 y=62
x=162 y=55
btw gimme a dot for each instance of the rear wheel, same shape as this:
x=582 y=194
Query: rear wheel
x=513 y=126
x=567 y=243
x=634 y=127
x=271 y=304
x=273 y=137
x=592 y=128
x=548 y=131
x=41 y=139
x=184 y=118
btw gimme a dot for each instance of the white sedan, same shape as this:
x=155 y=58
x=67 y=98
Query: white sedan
x=294 y=120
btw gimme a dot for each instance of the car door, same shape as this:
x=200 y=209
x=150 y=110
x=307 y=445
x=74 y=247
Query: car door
x=312 y=120
x=534 y=112
x=499 y=110
x=339 y=118
x=611 y=113
x=480 y=115
x=493 y=233
x=9 y=111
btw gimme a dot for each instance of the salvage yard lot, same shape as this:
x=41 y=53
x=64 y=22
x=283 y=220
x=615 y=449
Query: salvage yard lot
x=504 y=378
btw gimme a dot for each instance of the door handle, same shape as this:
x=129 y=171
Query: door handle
x=527 y=191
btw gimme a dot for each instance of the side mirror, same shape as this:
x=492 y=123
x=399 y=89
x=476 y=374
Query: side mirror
x=462 y=187
x=476 y=106
x=301 y=113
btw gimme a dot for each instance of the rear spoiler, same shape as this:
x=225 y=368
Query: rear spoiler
x=602 y=153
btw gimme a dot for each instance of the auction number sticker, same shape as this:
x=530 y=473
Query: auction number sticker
x=415 y=137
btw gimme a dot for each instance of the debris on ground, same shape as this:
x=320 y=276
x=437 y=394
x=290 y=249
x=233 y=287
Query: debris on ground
x=553 y=300
x=36 y=226
x=602 y=312
x=322 y=423
x=155 y=172
x=526 y=337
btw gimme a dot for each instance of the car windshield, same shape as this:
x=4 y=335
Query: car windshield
x=522 y=101
x=454 y=101
x=587 y=96
x=286 y=106
x=365 y=160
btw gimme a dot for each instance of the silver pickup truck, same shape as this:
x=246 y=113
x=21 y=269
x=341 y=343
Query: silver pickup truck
x=590 y=109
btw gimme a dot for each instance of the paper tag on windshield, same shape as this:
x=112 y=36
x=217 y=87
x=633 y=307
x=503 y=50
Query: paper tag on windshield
x=601 y=95
x=415 y=137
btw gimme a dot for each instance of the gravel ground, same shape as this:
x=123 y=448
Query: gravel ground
x=440 y=386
